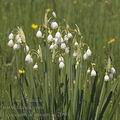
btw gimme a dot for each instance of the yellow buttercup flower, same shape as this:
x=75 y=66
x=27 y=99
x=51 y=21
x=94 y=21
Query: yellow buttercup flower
x=21 y=71
x=34 y=26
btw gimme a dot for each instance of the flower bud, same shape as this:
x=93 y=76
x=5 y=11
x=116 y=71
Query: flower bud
x=26 y=49
x=88 y=71
x=54 y=14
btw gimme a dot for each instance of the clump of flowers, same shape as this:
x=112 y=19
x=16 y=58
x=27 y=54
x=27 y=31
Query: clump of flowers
x=110 y=70
x=60 y=41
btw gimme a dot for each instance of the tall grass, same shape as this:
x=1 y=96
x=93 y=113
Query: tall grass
x=53 y=93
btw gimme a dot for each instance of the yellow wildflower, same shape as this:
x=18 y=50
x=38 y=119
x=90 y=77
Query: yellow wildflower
x=21 y=71
x=34 y=26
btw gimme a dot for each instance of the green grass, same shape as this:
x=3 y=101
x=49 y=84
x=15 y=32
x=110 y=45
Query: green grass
x=99 y=22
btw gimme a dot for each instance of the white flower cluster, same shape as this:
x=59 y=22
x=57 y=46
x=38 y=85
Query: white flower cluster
x=17 y=40
x=92 y=72
x=58 y=42
x=61 y=62
x=28 y=58
x=57 y=38
x=87 y=54
x=110 y=75
x=61 y=41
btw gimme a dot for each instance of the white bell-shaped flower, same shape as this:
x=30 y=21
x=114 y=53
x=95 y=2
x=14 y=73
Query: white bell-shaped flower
x=49 y=38
x=69 y=35
x=89 y=52
x=28 y=58
x=16 y=46
x=26 y=49
x=106 y=77
x=93 y=72
x=85 y=56
x=58 y=35
x=88 y=70
x=11 y=36
x=76 y=43
x=39 y=34
x=54 y=25
x=61 y=65
x=61 y=59
x=63 y=46
x=35 y=67
x=67 y=50
x=74 y=54
x=10 y=43
x=113 y=70
x=51 y=47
